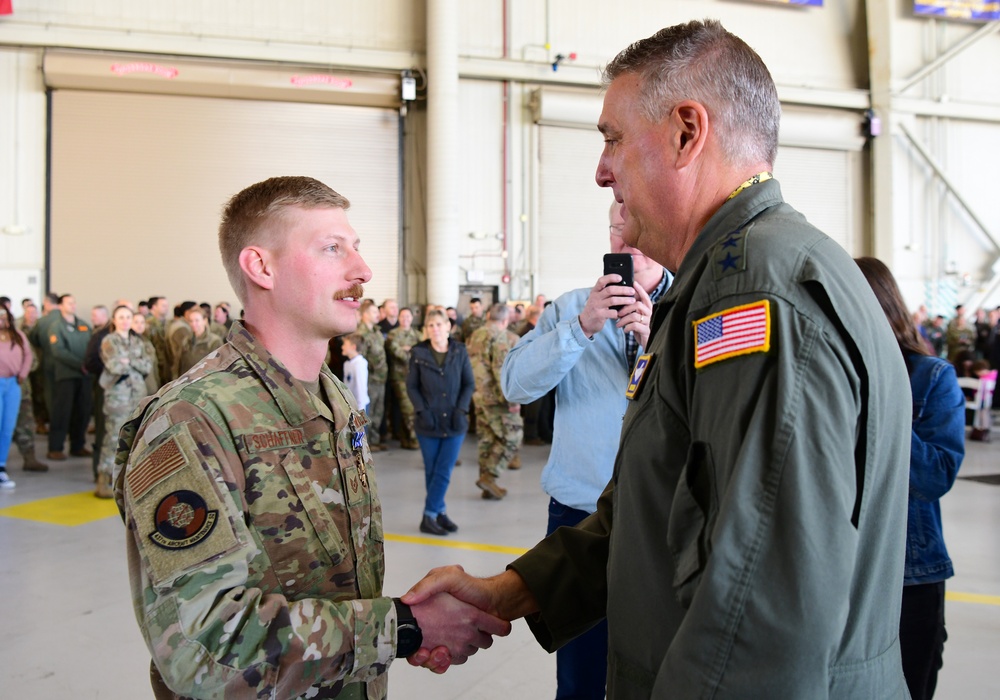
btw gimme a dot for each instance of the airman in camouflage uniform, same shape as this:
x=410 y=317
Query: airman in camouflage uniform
x=250 y=501
x=24 y=429
x=378 y=370
x=126 y=365
x=474 y=321
x=156 y=333
x=397 y=345
x=255 y=537
x=498 y=422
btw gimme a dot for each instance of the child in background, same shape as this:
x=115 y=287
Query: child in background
x=355 y=369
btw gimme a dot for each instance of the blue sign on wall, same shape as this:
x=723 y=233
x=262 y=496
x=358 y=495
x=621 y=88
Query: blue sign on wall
x=971 y=10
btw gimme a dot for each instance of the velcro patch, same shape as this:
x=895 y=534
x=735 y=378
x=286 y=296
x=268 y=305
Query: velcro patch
x=638 y=374
x=159 y=464
x=181 y=519
x=274 y=440
x=740 y=330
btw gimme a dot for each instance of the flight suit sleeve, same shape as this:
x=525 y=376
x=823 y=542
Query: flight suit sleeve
x=760 y=526
x=210 y=633
x=567 y=574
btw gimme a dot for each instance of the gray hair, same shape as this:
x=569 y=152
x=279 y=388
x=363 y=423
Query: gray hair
x=499 y=312
x=701 y=61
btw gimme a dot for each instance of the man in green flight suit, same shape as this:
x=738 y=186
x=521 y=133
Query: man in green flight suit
x=255 y=539
x=750 y=543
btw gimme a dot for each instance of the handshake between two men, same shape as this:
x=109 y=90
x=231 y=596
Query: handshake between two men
x=459 y=614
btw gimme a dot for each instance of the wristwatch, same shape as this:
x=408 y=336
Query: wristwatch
x=409 y=638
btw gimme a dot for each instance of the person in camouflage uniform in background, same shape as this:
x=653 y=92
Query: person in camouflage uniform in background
x=498 y=422
x=475 y=320
x=123 y=379
x=156 y=333
x=24 y=430
x=398 y=344
x=255 y=539
x=378 y=370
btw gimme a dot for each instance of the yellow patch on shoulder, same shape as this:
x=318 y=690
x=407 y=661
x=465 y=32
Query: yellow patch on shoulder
x=740 y=330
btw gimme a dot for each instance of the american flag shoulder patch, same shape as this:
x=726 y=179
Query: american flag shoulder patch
x=156 y=466
x=740 y=330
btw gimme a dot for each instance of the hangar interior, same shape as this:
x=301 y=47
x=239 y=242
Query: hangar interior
x=464 y=135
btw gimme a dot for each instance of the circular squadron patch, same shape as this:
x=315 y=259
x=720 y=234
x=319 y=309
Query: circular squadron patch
x=182 y=520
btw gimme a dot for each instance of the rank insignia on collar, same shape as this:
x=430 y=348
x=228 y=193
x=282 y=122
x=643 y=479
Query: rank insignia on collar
x=642 y=364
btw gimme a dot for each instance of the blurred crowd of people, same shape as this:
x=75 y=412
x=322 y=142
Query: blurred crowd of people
x=68 y=377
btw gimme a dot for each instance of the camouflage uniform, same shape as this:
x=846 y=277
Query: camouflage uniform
x=499 y=430
x=378 y=372
x=24 y=429
x=255 y=533
x=471 y=325
x=395 y=345
x=179 y=337
x=196 y=348
x=123 y=380
x=157 y=335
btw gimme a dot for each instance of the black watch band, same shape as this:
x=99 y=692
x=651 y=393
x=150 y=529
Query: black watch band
x=409 y=638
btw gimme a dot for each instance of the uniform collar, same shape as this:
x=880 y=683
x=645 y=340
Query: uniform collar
x=296 y=404
x=733 y=215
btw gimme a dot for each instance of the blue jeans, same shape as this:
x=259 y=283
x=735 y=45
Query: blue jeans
x=582 y=664
x=439 y=459
x=10 y=402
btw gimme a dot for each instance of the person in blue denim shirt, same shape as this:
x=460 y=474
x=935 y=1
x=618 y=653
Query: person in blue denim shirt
x=937 y=447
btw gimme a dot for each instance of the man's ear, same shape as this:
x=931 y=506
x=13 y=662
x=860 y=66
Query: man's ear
x=690 y=120
x=256 y=265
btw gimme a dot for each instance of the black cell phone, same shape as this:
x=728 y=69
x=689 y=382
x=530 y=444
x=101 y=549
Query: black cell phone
x=619 y=264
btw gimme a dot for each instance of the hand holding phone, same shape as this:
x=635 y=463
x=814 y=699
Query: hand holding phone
x=619 y=264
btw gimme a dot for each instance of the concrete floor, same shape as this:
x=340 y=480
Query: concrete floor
x=69 y=631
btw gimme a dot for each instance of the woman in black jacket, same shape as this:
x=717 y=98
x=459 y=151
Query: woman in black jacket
x=440 y=385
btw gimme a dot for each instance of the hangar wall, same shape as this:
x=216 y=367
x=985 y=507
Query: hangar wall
x=919 y=194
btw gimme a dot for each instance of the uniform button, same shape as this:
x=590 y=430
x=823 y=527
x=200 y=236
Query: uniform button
x=445 y=415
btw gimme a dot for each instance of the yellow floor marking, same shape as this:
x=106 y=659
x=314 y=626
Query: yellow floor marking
x=972 y=598
x=69 y=510
x=474 y=546
x=82 y=508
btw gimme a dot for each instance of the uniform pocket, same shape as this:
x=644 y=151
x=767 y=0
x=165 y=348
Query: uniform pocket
x=692 y=515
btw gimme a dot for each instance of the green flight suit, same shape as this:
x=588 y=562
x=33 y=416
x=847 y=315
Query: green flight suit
x=758 y=501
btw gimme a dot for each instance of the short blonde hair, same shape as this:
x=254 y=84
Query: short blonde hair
x=251 y=217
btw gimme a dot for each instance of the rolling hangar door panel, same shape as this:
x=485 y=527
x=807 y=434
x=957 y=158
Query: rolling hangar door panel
x=819 y=166
x=139 y=182
x=572 y=210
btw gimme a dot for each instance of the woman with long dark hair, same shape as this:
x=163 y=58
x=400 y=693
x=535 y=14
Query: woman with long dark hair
x=440 y=385
x=15 y=363
x=937 y=446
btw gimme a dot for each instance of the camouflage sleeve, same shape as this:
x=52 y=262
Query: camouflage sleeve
x=499 y=353
x=141 y=361
x=191 y=559
x=394 y=347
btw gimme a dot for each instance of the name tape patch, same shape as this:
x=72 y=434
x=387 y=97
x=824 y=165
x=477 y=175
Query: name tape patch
x=738 y=331
x=259 y=442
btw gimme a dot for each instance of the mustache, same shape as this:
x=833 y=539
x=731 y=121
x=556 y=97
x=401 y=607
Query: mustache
x=355 y=292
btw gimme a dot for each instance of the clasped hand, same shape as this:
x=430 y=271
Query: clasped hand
x=453 y=629
x=497 y=600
